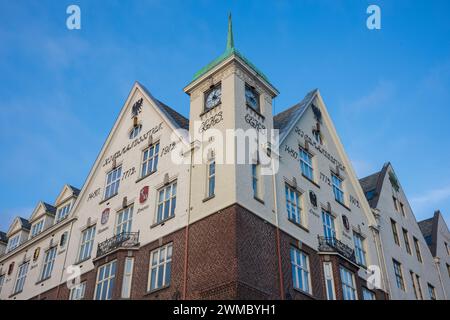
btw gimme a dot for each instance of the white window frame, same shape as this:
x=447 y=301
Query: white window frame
x=431 y=292
x=150 y=159
x=349 y=291
x=338 y=188
x=86 y=243
x=294 y=204
x=49 y=261
x=406 y=241
x=105 y=281
x=37 y=228
x=360 y=252
x=13 y=243
x=124 y=220
x=134 y=132
x=256 y=180
x=211 y=178
x=127 y=277
x=21 y=277
x=113 y=178
x=160 y=268
x=329 y=226
x=78 y=292
x=63 y=212
x=301 y=278
x=417 y=248
x=2 y=281
x=395 y=232
x=329 y=280
x=306 y=164
x=166 y=202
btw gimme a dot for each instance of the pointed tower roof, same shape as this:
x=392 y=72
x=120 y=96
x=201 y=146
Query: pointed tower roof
x=229 y=51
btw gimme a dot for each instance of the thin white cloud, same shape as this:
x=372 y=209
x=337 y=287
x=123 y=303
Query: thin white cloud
x=425 y=204
x=381 y=93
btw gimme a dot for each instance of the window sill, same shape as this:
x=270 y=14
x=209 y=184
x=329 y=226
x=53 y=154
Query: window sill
x=298 y=225
x=107 y=199
x=259 y=200
x=258 y=113
x=312 y=181
x=343 y=205
x=209 y=198
x=15 y=294
x=304 y=293
x=146 y=176
x=161 y=223
x=149 y=292
x=42 y=280
x=81 y=261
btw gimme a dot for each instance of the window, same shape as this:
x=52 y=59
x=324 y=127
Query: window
x=293 y=205
x=150 y=160
x=448 y=269
x=447 y=247
x=337 y=188
x=87 y=240
x=77 y=292
x=135 y=131
x=49 y=260
x=21 y=277
x=127 y=277
x=106 y=277
x=252 y=98
x=256 y=180
x=63 y=212
x=112 y=182
x=160 y=267
x=417 y=247
x=348 y=285
x=13 y=243
x=370 y=194
x=124 y=220
x=2 y=280
x=402 y=209
x=300 y=270
x=360 y=253
x=328 y=226
x=394 y=232
x=395 y=203
x=368 y=295
x=415 y=279
x=406 y=239
x=329 y=280
x=317 y=136
x=37 y=228
x=211 y=178
x=398 y=274
x=431 y=292
x=167 y=200
x=306 y=164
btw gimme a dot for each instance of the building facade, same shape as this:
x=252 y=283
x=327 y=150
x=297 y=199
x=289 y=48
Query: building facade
x=165 y=213
x=409 y=267
x=437 y=237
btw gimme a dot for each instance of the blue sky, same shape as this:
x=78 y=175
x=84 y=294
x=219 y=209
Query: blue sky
x=60 y=90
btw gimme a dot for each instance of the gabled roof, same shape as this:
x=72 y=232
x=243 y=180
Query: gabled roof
x=25 y=223
x=49 y=208
x=76 y=191
x=284 y=120
x=429 y=229
x=3 y=237
x=177 y=119
x=374 y=183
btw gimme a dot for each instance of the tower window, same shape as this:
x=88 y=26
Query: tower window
x=252 y=98
x=135 y=131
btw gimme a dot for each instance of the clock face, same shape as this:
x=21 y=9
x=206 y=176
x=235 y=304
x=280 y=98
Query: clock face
x=251 y=97
x=213 y=98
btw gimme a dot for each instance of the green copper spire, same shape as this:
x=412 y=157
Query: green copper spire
x=230 y=39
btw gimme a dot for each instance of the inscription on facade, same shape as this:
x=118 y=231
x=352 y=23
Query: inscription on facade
x=94 y=194
x=128 y=173
x=133 y=144
x=254 y=122
x=211 y=121
x=319 y=148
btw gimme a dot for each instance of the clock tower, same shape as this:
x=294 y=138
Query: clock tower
x=229 y=96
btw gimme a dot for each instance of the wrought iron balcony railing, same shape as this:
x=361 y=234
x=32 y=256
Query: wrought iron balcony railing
x=121 y=240
x=331 y=244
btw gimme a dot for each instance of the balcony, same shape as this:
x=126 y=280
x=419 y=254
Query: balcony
x=119 y=241
x=334 y=245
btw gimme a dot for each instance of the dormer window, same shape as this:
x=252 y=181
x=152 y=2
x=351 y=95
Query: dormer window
x=213 y=97
x=37 y=228
x=62 y=213
x=252 y=98
x=135 y=131
x=13 y=243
